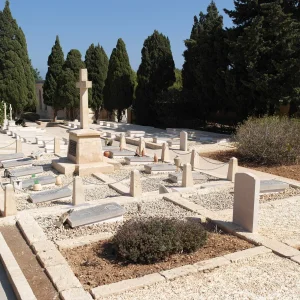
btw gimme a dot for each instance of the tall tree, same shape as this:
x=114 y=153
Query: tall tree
x=119 y=84
x=66 y=91
x=55 y=65
x=17 y=85
x=155 y=75
x=96 y=62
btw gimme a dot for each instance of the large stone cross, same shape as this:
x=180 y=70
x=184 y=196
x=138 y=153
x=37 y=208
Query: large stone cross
x=84 y=85
x=5 y=117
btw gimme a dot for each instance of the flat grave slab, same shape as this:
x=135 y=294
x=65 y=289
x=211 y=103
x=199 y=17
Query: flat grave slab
x=17 y=163
x=139 y=160
x=96 y=214
x=110 y=148
x=13 y=156
x=26 y=171
x=43 y=180
x=50 y=195
x=177 y=177
x=273 y=186
x=123 y=153
x=160 y=168
x=131 y=133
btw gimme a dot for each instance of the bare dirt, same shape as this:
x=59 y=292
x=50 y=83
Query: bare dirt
x=33 y=272
x=288 y=171
x=96 y=264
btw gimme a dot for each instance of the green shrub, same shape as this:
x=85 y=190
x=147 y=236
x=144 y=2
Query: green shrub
x=30 y=116
x=269 y=140
x=152 y=240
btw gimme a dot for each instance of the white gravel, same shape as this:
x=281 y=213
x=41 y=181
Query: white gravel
x=261 y=277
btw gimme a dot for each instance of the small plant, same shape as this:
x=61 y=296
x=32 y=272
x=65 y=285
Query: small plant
x=33 y=176
x=36 y=181
x=152 y=240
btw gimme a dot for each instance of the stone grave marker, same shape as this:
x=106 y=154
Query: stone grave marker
x=78 y=191
x=246 y=201
x=195 y=160
x=18 y=146
x=17 y=163
x=8 y=157
x=159 y=168
x=50 y=195
x=165 y=153
x=135 y=184
x=26 y=171
x=10 y=206
x=232 y=169
x=43 y=180
x=142 y=146
x=95 y=214
x=162 y=189
x=139 y=160
x=124 y=153
x=177 y=177
x=183 y=141
x=187 y=177
x=122 y=141
x=273 y=186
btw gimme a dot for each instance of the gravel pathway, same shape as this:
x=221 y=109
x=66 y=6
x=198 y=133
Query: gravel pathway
x=262 y=277
x=148 y=209
x=223 y=198
x=99 y=192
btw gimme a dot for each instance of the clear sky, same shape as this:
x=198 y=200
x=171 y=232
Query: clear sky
x=81 y=23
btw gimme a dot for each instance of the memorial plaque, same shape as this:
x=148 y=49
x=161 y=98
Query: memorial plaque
x=269 y=186
x=95 y=214
x=139 y=160
x=26 y=171
x=72 y=148
x=160 y=168
x=43 y=180
x=17 y=163
x=13 y=156
x=177 y=177
x=50 y=195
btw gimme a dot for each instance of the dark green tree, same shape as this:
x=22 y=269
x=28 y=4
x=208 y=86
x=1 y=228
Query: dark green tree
x=155 y=75
x=17 y=85
x=119 y=84
x=96 y=62
x=67 y=93
x=55 y=65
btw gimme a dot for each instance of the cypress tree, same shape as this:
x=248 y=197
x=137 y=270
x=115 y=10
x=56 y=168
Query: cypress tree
x=66 y=92
x=119 y=84
x=96 y=62
x=17 y=85
x=55 y=65
x=155 y=75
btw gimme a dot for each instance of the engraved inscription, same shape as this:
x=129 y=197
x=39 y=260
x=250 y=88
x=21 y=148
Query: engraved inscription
x=72 y=148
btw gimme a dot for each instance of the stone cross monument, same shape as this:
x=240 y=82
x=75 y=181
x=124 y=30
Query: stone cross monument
x=10 y=112
x=5 y=117
x=84 y=85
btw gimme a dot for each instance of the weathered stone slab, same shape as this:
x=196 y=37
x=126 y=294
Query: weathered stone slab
x=50 y=195
x=177 y=177
x=17 y=163
x=26 y=171
x=95 y=214
x=110 y=148
x=131 y=133
x=138 y=160
x=13 y=156
x=123 y=153
x=269 y=186
x=43 y=180
x=159 y=168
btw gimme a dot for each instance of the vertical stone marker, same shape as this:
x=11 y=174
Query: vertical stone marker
x=56 y=146
x=5 y=116
x=142 y=146
x=246 y=201
x=10 y=206
x=165 y=153
x=187 y=176
x=122 y=141
x=232 y=169
x=78 y=191
x=183 y=141
x=18 y=146
x=195 y=160
x=10 y=112
x=135 y=184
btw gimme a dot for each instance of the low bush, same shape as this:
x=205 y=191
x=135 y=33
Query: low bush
x=152 y=240
x=30 y=116
x=269 y=140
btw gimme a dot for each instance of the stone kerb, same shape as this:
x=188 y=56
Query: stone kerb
x=246 y=201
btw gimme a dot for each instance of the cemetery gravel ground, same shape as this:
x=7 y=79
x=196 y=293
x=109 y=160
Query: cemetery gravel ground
x=34 y=273
x=95 y=264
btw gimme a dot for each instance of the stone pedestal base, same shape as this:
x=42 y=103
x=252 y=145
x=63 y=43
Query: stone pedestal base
x=67 y=167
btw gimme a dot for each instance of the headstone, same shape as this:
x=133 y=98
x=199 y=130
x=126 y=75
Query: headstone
x=5 y=116
x=183 y=141
x=78 y=191
x=273 y=186
x=37 y=154
x=246 y=201
x=13 y=156
x=142 y=145
x=123 y=153
x=135 y=184
x=43 y=180
x=18 y=146
x=138 y=160
x=187 y=177
x=122 y=141
x=50 y=195
x=159 y=168
x=232 y=169
x=26 y=171
x=17 y=163
x=195 y=160
x=57 y=146
x=162 y=189
x=135 y=134
x=177 y=177
x=155 y=140
x=10 y=206
x=10 y=112
x=95 y=214
x=165 y=153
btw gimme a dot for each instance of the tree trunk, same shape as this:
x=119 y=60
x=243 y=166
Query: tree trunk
x=119 y=115
x=54 y=115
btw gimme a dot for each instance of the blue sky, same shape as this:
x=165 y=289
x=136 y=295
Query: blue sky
x=80 y=23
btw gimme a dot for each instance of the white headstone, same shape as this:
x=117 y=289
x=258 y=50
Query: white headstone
x=18 y=146
x=165 y=153
x=232 y=169
x=183 y=141
x=122 y=141
x=187 y=176
x=56 y=146
x=142 y=146
x=84 y=85
x=78 y=191
x=195 y=160
x=10 y=206
x=246 y=201
x=135 y=184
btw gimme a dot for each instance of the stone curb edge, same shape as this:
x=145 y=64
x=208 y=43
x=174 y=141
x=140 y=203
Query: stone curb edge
x=15 y=275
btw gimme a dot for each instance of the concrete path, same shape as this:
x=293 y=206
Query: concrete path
x=6 y=290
